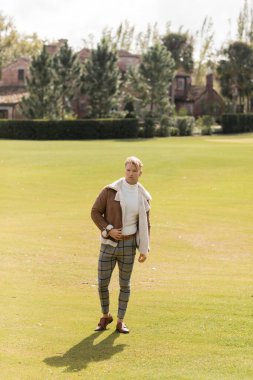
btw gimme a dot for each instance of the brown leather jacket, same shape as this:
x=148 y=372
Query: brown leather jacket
x=106 y=210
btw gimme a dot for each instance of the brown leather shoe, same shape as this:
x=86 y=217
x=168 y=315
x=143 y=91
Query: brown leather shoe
x=121 y=328
x=104 y=321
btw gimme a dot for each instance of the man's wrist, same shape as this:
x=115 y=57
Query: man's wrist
x=106 y=231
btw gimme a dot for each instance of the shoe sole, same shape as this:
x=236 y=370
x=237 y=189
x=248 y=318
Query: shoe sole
x=122 y=332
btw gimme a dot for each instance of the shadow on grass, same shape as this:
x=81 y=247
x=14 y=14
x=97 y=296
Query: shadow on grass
x=85 y=352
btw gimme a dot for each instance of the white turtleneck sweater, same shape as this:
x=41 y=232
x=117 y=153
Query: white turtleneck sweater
x=130 y=196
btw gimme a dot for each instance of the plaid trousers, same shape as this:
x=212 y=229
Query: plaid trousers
x=124 y=255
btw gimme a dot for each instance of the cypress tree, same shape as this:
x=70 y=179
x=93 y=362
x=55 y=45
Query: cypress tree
x=152 y=80
x=66 y=72
x=40 y=103
x=100 y=80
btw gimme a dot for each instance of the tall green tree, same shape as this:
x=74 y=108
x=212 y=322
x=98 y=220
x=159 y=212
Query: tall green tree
x=205 y=59
x=148 y=38
x=236 y=72
x=101 y=79
x=123 y=37
x=66 y=73
x=152 y=80
x=180 y=45
x=41 y=102
x=243 y=23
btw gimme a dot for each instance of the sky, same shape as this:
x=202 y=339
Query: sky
x=76 y=19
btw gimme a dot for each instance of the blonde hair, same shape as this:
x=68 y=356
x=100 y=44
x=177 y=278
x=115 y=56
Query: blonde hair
x=134 y=161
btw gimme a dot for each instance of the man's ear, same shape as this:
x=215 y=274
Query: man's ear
x=140 y=174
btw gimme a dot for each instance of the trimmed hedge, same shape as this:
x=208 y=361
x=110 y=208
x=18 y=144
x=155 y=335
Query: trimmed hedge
x=237 y=123
x=69 y=129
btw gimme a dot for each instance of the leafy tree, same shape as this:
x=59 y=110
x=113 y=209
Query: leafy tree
x=40 y=103
x=152 y=79
x=144 y=40
x=66 y=71
x=26 y=46
x=123 y=37
x=180 y=45
x=204 y=40
x=100 y=79
x=8 y=35
x=13 y=45
x=236 y=71
x=245 y=24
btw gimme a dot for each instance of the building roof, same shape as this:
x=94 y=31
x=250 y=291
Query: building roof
x=26 y=60
x=196 y=91
x=12 y=95
x=84 y=54
x=124 y=53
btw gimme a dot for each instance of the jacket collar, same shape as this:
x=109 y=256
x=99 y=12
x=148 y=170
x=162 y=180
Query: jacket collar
x=117 y=186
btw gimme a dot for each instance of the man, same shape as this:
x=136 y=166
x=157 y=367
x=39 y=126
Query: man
x=121 y=212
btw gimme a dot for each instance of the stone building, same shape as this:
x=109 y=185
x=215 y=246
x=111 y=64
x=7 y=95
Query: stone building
x=196 y=100
x=13 y=88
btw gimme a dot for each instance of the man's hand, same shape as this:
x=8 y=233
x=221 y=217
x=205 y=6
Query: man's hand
x=142 y=258
x=115 y=233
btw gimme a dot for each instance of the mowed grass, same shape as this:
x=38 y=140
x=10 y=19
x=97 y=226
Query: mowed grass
x=190 y=311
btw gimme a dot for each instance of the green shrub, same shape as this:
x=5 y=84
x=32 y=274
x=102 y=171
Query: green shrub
x=176 y=126
x=206 y=130
x=174 y=131
x=205 y=121
x=182 y=112
x=185 y=125
x=164 y=126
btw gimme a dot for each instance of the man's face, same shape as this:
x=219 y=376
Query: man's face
x=132 y=174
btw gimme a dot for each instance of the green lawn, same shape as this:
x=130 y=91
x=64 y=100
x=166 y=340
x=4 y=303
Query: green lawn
x=190 y=311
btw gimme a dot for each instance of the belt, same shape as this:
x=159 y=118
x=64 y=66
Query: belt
x=127 y=237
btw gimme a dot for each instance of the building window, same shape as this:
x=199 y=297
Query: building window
x=3 y=114
x=21 y=74
x=180 y=84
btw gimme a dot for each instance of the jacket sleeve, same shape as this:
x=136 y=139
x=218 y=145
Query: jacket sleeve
x=98 y=210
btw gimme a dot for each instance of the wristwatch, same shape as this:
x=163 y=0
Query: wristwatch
x=106 y=231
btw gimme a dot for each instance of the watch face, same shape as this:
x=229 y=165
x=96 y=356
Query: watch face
x=106 y=231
